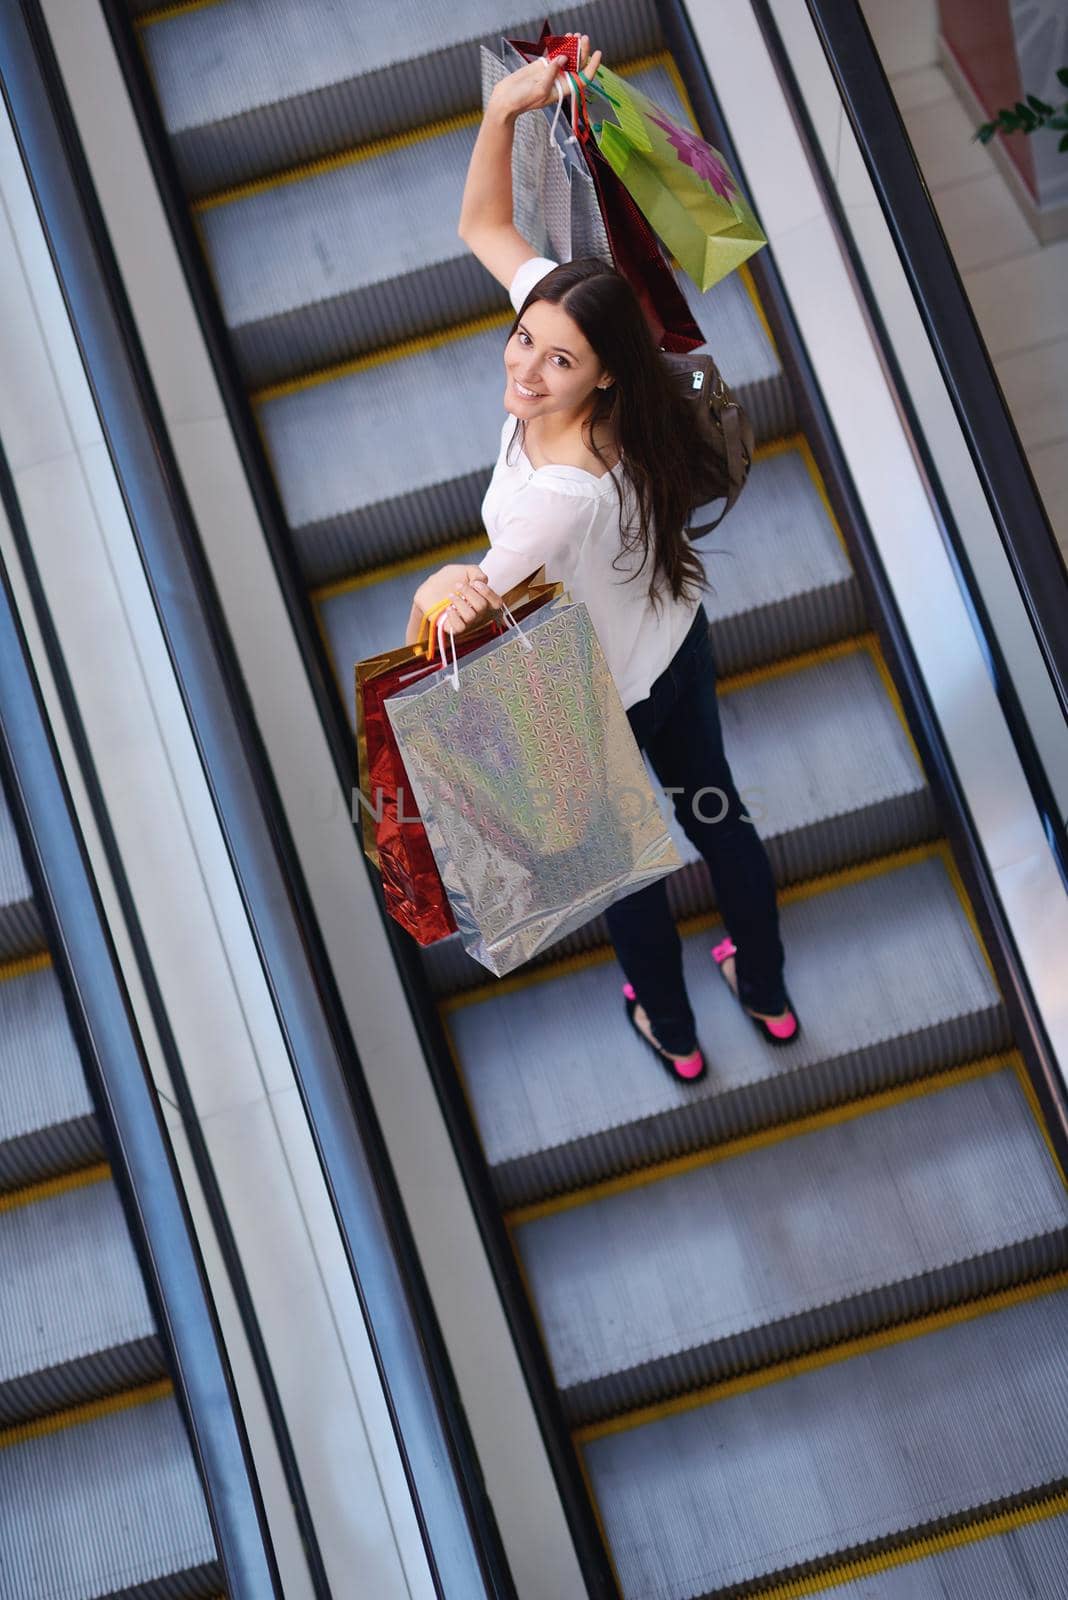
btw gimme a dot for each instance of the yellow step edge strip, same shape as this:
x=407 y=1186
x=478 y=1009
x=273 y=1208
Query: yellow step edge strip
x=455 y=550
x=458 y=549
x=380 y=358
x=805 y=451
x=353 y=157
x=822 y=883
x=820 y=655
x=830 y=1355
x=48 y=1188
x=147 y=19
x=762 y=1139
x=879 y=1100
x=1036 y=1111
x=88 y=1411
x=406 y=139
x=22 y=966
x=917 y=1548
x=785 y=666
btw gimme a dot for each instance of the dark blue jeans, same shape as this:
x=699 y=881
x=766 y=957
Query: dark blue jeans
x=678 y=726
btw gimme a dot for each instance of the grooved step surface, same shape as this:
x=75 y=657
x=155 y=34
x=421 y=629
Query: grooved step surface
x=782 y=580
x=46 y=1112
x=397 y=457
x=885 y=974
x=73 y=1297
x=907 y=1436
x=301 y=289
x=815 y=1238
x=855 y=757
x=1025 y=1563
x=255 y=86
x=107 y=1506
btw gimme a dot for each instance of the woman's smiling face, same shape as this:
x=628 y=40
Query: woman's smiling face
x=549 y=364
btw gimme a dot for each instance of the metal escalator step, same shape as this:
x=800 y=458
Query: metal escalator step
x=47 y=1121
x=850 y=1457
x=75 y=1321
x=389 y=460
x=1027 y=1562
x=826 y=769
x=783 y=583
x=396 y=457
x=806 y=1242
x=107 y=1506
x=825 y=766
x=256 y=86
x=782 y=578
x=20 y=926
x=889 y=984
x=319 y=271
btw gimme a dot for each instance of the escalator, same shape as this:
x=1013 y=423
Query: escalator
x=804 y=1321
x=99 y=1489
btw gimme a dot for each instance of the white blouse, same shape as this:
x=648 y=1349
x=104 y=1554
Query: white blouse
x=567 y=520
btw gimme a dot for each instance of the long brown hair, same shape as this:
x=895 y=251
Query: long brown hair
x=652 y=422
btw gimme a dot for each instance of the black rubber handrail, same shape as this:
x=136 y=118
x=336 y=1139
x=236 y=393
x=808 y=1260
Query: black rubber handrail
x=453 y=1511
x=1028 y=1028
x=141 y=1156
x=985 y=421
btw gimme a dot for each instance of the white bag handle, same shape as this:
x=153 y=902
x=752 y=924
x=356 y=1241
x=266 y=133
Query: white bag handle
x=454 y=675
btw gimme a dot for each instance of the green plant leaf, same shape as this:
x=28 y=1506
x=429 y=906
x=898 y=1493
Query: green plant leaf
x=1039 y=105
x=1064 y=142
x=1062 y=74
x=1060 y=121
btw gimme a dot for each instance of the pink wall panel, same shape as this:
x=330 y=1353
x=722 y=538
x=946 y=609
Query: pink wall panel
x=981 y=35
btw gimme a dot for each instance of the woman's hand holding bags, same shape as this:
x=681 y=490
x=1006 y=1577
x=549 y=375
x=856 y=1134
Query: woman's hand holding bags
x=475 y=601
x=533 y=87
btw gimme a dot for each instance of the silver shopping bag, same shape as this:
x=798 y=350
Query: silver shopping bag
x=554 y=200
x=531 y=786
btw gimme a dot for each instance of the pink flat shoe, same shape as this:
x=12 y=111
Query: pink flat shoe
x=776 y=1030
x=687 y=1068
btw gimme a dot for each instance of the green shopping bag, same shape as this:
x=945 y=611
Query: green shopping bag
x=680 y=184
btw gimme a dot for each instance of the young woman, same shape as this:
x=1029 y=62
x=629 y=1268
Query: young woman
x=592 y=483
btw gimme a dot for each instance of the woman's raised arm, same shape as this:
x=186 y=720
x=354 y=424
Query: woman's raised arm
x=486 y=225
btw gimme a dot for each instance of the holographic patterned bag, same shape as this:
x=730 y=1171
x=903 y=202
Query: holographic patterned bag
x=554 y=199
x=531 y=786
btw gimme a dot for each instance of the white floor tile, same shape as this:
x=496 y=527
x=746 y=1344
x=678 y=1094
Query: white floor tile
x=1036 y=387
x=1022 y=304
x=983 y=223
x=905 y=32
x=921 y=86
x=941 y=134
x=1049 y=464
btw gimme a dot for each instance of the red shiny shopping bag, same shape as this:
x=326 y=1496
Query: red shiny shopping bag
x=635 y=249
x=394 y=837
